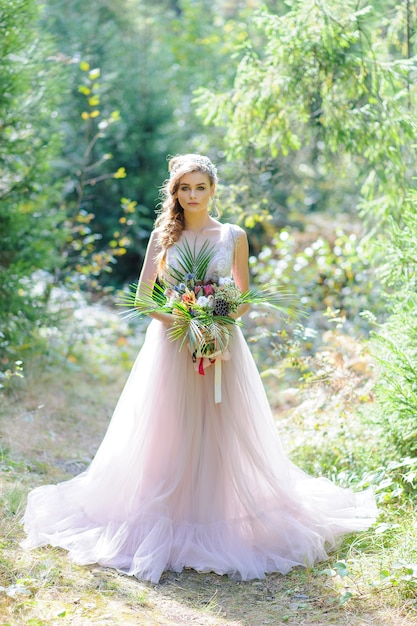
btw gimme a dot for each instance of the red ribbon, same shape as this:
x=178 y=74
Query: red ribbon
x=201 y=367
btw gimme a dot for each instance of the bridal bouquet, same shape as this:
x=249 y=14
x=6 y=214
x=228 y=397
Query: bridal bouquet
x=200 y=306
x=202 y=312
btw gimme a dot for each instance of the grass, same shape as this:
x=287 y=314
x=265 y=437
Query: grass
x=45 y=437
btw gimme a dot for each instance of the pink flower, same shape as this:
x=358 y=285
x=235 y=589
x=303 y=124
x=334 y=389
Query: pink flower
x=208 y=290
x=197 y=289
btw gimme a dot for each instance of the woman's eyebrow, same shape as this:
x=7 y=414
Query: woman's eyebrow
x=197 y=184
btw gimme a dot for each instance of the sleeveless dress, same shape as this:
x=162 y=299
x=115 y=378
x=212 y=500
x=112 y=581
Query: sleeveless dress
x=182 y=481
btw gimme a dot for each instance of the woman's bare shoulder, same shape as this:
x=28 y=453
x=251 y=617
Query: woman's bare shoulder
x=239 y=234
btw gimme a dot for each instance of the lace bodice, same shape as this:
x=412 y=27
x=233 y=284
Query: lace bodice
x=222 y=261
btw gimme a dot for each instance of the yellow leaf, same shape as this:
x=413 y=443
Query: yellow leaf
x=84 y=66
x=129 y=205
x=94 y=101
x=122 y=220
x=95 y=73
x=85 y=115
x=121 y=173
x=95 y=113
x=249 y=221
x=85 y=90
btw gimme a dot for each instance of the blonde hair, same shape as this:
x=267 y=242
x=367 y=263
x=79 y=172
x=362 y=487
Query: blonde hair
x=170 y=221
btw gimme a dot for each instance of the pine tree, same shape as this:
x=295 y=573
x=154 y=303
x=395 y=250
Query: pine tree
x=28 y=215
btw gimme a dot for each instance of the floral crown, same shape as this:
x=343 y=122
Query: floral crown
x=202 y=162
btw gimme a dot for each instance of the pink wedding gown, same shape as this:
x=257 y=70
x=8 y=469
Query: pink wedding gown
x=180 y=481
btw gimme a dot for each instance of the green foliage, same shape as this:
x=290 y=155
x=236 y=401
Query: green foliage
x=316 y=79
x=331 y=276
x=322 y=111
x=395 y=347
x=128 y=42
x=395 y=342
x=84 y=263
x=28 y=213
x=9 y=374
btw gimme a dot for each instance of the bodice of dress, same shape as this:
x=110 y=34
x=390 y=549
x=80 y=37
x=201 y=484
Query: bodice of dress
x=223 y=250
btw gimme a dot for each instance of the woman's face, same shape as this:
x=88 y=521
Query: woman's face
x=194 y=192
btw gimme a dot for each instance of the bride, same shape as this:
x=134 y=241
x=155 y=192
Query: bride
x=181 y=480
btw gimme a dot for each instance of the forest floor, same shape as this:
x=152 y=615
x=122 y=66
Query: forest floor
x=51 y=423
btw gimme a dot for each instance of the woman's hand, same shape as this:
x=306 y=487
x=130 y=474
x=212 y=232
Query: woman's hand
x=165 y=318
x=240 y=311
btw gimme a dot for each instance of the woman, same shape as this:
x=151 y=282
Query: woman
x=179 y=479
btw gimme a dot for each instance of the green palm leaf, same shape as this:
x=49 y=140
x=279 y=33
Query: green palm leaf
x=191 y=262
x=151 y=298
x=204 y=332
x=280 y=299
x=183 y=319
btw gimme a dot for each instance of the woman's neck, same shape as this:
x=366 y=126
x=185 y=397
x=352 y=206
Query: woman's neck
x=197 y=223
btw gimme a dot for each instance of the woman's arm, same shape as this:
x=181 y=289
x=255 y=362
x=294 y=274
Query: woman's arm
x=241 y=268
x=148 y=276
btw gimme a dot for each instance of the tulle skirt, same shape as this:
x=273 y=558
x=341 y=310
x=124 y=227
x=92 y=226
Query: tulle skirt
x=180 y=480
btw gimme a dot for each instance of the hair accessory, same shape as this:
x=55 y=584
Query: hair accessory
x=188 y=160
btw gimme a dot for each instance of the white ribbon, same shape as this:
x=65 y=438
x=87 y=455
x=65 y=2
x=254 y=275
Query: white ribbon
x=217 y=381
x=202 y=362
